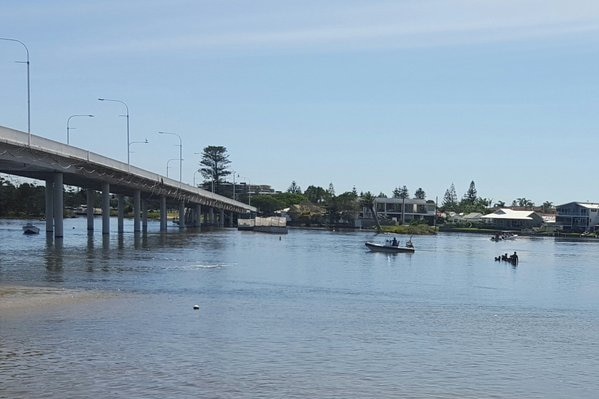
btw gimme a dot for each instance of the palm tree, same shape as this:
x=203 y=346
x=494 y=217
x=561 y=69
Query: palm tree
x=367 y=201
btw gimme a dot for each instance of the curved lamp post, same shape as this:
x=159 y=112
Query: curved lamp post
x=28 y=87
x=138 y=142
x=69 y=120
x=168 y=162
x=180 y=154
x=249 y=189
x=127 y=115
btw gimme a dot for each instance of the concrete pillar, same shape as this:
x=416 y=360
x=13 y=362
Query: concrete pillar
x=91 y=197
x=221 y=222
x=58 y=205
x=144 y=216
x=182 y=214
x=211 y=216
x=105 y=208
x=163 y=213
x=198 y=216
x=136 y=210
x=49 y=205
x=121 y=213
x=231 y=217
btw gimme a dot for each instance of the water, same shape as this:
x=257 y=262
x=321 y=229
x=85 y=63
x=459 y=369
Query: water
x=308 y=315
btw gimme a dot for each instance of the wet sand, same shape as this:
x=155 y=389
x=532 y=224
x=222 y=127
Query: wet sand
x=23 y=299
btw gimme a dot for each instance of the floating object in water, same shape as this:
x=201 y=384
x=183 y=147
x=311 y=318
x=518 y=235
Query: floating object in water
x=196 y=307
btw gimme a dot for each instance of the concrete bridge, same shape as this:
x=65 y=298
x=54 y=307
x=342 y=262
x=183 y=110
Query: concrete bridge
x=58 y=164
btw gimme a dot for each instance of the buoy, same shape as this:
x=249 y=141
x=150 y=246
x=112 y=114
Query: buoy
x=196 y=307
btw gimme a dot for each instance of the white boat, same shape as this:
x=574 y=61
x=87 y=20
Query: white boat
x=29 y=229
x=391 y=247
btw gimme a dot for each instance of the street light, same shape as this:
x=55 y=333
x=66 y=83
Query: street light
x=168 y=162
x=194 y=177
x=69 y=120
x=180 y=153
x=127 y=115
x=249 y=189
x=138 y=142
x=28 y=88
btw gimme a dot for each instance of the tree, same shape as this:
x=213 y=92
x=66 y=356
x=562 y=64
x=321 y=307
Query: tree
x=523 y=203
x=267 y=204
x=450 y=199
x=316 y=195
x=367 y=201
x=213 y=166
x=331 y=190
x=401 y=192
x=470 y=196
x=294 y=188
x=547 y=206
x=420 y=194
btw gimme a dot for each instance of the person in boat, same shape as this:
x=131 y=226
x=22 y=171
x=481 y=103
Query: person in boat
x=395 y=243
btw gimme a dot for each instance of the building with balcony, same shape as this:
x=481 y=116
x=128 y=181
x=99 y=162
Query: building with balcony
x=577 y=217
x=404 y=210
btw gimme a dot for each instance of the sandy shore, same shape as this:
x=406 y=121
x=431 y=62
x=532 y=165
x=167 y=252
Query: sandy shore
x=14 y=298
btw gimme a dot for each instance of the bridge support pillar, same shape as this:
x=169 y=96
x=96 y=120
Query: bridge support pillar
x=182 y=214
x=58 y=205
x=221 y=222
x=105 y=208
x=163 y=213
x=231 y=216
x=211 y=216
x=144 y=216
x=49 y=205
x=198 y=216
x=91 y=197
x=136 y=210
x=121 y=213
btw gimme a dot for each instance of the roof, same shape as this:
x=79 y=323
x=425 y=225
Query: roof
x=588 y=205
x=473 y=215
x=505 y=213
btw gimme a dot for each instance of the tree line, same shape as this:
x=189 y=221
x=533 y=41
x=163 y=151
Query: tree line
x=314 y=205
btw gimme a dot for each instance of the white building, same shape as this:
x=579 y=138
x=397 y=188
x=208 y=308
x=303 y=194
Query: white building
x=577 y=216
x=508 y=219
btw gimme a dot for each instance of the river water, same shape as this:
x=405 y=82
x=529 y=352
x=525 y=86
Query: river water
x=311 y=314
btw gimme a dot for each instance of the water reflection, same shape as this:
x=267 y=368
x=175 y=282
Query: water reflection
x=54 y=259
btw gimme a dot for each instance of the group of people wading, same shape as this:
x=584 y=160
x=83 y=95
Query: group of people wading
x=513 y=258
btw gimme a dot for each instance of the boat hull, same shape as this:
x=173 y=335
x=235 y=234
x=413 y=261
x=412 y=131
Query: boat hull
x=30 y=229
x=374 y=247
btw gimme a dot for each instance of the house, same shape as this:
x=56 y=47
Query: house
x=405 y=210
x=508 y=219
x=577 y=217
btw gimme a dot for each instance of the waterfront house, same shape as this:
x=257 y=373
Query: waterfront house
x=404 y=210
x=577 y=217
x=508 y=219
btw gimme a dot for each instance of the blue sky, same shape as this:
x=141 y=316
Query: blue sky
x=366 y=94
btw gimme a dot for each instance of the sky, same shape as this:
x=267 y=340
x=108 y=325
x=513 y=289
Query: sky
x=369 y=94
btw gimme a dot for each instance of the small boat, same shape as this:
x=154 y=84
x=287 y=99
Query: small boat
x=30 y=229
x=390 y=247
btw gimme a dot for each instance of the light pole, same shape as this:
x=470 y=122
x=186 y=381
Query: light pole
x=127 y=115
x=180 y=153
x=249 y=189
x=138 y=142
x=194 y=177
x=168 y=162
x=69 y=120
x=28 y=87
